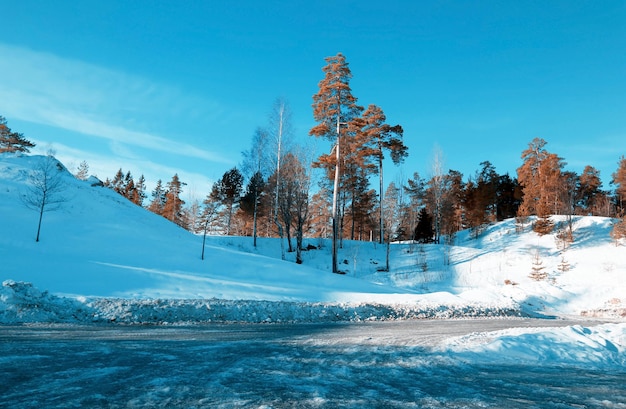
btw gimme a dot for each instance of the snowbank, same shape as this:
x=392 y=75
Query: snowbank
x=602 y=346
x=22 y=303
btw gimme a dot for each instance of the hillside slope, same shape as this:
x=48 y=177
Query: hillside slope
x=100 y=245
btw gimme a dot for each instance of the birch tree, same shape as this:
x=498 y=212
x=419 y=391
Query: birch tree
x=280 y=131
x=255 y=164
x=44 y=194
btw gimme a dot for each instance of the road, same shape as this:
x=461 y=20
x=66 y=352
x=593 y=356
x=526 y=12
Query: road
x=377 y=364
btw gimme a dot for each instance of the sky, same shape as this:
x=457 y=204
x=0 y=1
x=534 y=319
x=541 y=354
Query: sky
x=165 y=87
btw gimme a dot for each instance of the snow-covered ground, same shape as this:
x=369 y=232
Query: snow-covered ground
x=103 y=260
x=106 y=256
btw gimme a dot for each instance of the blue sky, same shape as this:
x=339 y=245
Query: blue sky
x=164 y=87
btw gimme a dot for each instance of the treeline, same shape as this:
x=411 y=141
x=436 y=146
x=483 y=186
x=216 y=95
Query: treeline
x=272 y=192
x=425 y=210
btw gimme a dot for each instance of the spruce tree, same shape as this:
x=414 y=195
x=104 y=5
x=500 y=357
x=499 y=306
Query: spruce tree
x=424 y=231
x=82 y=172
x=158 y=199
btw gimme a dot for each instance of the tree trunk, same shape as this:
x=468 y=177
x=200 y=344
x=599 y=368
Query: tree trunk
x=387 y=257
x=41 y=209
x=335 y=198
x=382 y=227
x=254 y=232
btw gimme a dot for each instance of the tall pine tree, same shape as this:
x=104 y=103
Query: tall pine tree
x=333 y=106
x=381 y=137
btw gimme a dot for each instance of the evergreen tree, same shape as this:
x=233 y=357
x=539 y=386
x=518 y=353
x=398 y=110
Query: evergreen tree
x=255 y=163
x=333 y=106
x=210 y=212
x=540 y=178
x=117 y=184
x=415 y=189
x=252 y=201
x=588 y=191
x=12 y=141
x=173 y=205
x=228 y=192
x=82 y=172
x=424 y=231
x=140 y=191
x=619 y=180
x=509 y=194
x=381 y=137
x=158 y=199
x=618 y=232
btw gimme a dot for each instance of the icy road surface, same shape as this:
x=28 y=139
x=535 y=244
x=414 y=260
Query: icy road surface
x=368 y=365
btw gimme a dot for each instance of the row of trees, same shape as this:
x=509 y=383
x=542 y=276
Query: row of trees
x=277 y=199
x=271 y=193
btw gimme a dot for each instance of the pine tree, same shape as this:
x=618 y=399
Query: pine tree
x=228 y=191
x=618 y=232
x=158 y=199
x=540 y=178
x=128 y=186
x=173 y=206
x=12 y=141
x=117 y=184
x=537 y=270
x=82 y=172
x=140 y=191
x=619 y=180
x=589 y=191
x=252 y=201
x=333 y=106
x=378 y=138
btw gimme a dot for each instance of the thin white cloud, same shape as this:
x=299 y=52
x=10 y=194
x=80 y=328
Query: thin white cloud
x=80 y=97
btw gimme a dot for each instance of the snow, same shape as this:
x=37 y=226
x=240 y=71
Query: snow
x=99 y=247
x=103 y=260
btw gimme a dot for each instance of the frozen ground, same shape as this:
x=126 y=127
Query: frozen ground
x=102 y=262
x=405 y=364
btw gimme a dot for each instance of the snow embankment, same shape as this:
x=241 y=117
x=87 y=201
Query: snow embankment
x=603 y=346
x=22 y=303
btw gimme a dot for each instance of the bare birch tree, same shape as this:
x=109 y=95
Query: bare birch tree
x=44 y=194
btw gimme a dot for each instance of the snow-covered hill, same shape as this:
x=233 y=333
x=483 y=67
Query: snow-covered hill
x=101 y=252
